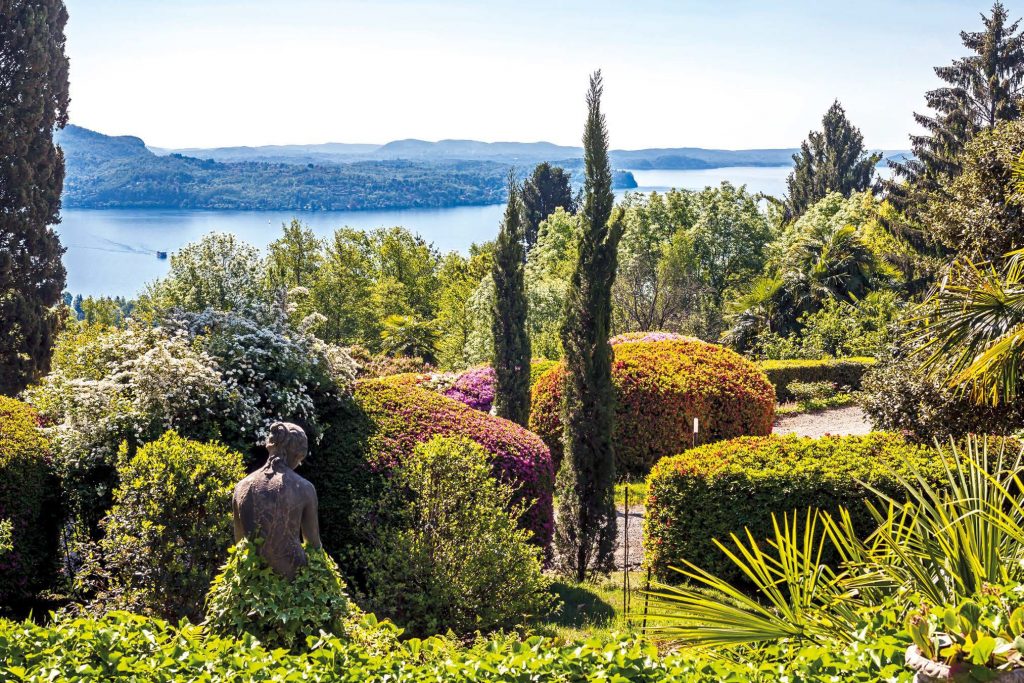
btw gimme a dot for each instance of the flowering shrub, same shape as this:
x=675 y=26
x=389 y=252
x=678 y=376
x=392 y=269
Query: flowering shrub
x=660 y=387
x=718 y=489
x=368 y=437
x=29 y=504
x=475 y=388
x=649 y=337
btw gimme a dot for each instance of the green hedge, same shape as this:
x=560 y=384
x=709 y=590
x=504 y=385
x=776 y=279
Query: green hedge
x=122 y=646
x=840 y=371
x=715 y=490
x=30 y=499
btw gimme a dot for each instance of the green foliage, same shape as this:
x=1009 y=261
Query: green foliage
x=459 y=277
x=713 y=491
x=169 y=526
x=6 y=537
x=126 y=646
x=547 y=189
x=843 y=372
x=585 y=535
x=33 y=102
x=451 y=556
x=30 y=505
x=248 y=597
x=830 y=160
x=508 y=321
x=660 y=387
x=809 y=391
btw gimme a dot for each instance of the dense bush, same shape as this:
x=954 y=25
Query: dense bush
x=719 y=489
x=368 y=437
x=30 y=504
x=248 y=597
x=897 y=396
x=169 y=528
x=660 y=387
x=450 y=555
x=475 y=388
x=842 y=372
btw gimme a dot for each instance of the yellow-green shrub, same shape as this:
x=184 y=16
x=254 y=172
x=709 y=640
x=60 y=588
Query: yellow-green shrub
x=842 y=372
x=715 y=490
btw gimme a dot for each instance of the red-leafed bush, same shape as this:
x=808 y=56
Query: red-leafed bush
x=29 y=501
x=381 y=428
x=660 y=386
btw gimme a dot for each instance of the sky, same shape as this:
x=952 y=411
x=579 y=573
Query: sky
x=731 y=74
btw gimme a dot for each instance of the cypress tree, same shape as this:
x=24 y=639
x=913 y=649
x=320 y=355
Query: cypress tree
x=983 y=89
x=830 y=160
x=33 y=100
x=511 y=342
x=544 y=191
x=585 y=535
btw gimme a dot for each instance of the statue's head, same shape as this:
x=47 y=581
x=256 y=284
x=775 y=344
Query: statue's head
x=288 y=442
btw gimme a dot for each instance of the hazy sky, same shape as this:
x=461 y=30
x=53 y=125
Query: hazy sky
x=712 y=73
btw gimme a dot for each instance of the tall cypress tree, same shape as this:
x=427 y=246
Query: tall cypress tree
x=33 y=100
x=830 y=160
x=511 y=341
x=544 y=191
x=984 y=89
x=585 y=535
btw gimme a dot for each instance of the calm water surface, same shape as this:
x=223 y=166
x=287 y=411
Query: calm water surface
x=113 y=252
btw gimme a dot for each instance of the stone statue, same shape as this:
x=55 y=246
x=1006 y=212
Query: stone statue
x=276 y=504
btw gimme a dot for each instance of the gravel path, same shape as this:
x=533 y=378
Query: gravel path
x=838 y=421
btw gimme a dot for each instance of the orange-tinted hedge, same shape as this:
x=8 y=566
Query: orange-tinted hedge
x=660 y=386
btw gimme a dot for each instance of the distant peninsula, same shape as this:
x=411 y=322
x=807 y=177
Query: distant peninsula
x=105 y=172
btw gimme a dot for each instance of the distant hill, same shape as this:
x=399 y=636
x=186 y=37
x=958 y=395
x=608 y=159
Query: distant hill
x=103 y=171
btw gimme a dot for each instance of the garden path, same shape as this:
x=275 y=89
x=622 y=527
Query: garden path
x=838 y=421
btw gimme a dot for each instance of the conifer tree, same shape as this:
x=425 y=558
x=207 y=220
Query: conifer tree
x=508 y=324
x=983 y=89
x=544 y=191
x=585 y=535
x=830 y=160
x=33 y=100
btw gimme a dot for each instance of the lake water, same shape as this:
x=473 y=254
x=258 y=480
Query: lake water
x=113 y=252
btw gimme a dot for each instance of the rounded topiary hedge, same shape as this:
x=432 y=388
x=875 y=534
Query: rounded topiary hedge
x=380 y=428
x=719 y=489
x=30 y=499
x=660 y=386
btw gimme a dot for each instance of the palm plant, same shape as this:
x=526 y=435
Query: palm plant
x=835 y=265
x=973 y=333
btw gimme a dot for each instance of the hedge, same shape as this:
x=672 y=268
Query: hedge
x=123 y=646
x=715 y=490
x=367 y=437
x=840 y=371
x=660 y=386
x=30 y=498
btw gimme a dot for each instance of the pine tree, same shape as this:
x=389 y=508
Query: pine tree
x=33 y=100
x=508 y=324
x=585 y=535
x=984 y=89
x=830 y=160
x=544 y=191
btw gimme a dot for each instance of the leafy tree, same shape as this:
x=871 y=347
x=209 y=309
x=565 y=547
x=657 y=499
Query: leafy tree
x=295 y=258
x=508 y=321
x=983 y=89
x=459 y=278
x=980 y=214
x=218 y=272
x=341 y=291
x=585 y=536
x=33 y=101
x=543 y=192
x=408 y=336
x=830 y=160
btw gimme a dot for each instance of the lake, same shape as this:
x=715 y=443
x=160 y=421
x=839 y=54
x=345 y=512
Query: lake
x=113 y=251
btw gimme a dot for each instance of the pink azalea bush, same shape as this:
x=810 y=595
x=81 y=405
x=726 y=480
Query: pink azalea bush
x=475 y=388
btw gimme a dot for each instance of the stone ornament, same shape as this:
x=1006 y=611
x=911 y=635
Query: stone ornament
x=277 y=505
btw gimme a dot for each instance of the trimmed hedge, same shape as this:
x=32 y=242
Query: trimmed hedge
x=842 y=372
x=30 y=499
x=369 y=436
x=715 y=490
x=660 y=386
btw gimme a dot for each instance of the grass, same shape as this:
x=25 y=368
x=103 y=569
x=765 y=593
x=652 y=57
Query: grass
x=637 y=493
